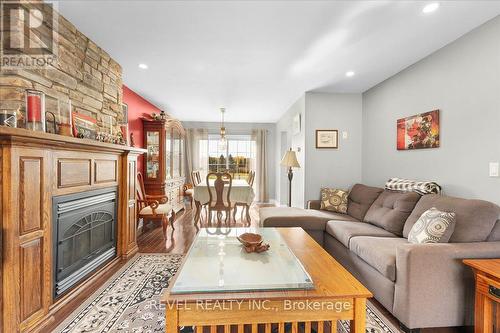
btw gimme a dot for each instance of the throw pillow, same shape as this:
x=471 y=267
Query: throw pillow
x=433 y=226
x=334 y=200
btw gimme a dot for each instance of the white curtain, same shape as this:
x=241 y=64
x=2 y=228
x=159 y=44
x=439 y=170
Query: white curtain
x=260 y=165
x=196 y=152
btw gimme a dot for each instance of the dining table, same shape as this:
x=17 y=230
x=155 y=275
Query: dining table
x=242 y=193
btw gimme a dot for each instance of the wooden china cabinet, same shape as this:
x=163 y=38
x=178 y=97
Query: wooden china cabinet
x=164 y=160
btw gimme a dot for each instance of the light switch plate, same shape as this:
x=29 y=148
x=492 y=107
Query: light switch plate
x=493 y=169
x=344 y=135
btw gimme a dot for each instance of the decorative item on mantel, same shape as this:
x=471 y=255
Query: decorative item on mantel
x=65 y=118
x=124 y=137
x=84 y=127
x=35 y=110
x=253 y=242
x=110 y=135
x=52 y=122
x=132 y=140
x=8 y=117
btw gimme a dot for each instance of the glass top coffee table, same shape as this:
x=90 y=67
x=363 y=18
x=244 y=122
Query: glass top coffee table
x=219 y=263
x=222 y=286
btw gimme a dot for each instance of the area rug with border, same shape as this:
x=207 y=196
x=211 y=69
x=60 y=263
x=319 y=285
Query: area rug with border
x=129 y=302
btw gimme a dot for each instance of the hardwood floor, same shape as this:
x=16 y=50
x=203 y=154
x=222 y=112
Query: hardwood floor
x=152 y=241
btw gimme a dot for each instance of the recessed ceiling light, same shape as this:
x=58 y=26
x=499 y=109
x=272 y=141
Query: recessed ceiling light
x=432 y=7
x=143 y=66
x=349 y=74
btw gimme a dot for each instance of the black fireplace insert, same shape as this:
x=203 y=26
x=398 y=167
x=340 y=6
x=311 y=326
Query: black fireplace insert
x=84 y=235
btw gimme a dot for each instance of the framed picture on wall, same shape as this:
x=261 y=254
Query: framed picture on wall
x=328 y=139
x=125 y=114
x=419 y=131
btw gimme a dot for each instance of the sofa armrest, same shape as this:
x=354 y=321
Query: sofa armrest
x=314 y=204
x=433 y=287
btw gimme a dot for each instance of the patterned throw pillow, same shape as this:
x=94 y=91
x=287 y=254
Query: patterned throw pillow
x=334 y=200
x=433 y=226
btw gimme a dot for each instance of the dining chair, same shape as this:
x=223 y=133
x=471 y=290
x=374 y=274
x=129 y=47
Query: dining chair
x=218 y=200
x=251 y=177
x=188 y=193
x=195 y=177
x=244 y=206
x=154 y=207
x=189 y=187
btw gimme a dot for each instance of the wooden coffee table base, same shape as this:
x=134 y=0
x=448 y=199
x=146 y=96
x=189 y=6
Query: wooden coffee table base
x=270 y=312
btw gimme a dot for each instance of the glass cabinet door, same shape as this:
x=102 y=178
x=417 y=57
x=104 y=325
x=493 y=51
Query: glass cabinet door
x=153 y=154
x=168 y=154
x=176 y=148
x=182 y=157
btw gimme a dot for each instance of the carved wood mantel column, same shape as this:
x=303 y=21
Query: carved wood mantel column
x=35 y=167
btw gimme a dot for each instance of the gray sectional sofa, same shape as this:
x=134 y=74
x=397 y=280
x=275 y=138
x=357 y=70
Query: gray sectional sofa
x=422 y=285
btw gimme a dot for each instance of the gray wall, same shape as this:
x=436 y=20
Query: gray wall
x=296 y=142
x=320 y=167
x=463 y=81
x=246 y=128
x=337 y=168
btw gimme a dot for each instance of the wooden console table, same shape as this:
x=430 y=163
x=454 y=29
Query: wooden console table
x=34 y=168
x=487 y=274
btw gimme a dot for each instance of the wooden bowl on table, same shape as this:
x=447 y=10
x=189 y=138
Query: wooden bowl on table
x=252 y=242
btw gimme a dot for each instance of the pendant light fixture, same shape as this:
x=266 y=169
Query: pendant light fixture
x=222 y=140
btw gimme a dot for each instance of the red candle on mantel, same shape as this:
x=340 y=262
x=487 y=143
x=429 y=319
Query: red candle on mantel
x=34 y=108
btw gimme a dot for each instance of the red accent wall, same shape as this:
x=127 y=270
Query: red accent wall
x=137 y=107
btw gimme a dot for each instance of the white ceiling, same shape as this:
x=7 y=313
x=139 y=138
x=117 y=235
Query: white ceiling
x=257 y=57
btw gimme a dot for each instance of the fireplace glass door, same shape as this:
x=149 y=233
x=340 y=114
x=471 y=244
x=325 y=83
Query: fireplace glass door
x=85 y=235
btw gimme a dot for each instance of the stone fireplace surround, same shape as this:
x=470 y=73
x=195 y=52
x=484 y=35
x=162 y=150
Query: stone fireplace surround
x=83 y=73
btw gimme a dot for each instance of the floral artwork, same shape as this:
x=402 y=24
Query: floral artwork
x=419 y=131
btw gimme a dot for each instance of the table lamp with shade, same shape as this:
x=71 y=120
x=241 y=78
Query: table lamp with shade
x=290 y=161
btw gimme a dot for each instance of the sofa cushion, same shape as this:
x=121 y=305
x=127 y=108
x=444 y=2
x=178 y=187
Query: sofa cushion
x=378 y=252
x=160 y=210
x=334 y=200
x=474 y=219
x=360 y=199
x=391 y=209
x=343 y=231
x=495 y=233
x=434 y=226
x=297 y=217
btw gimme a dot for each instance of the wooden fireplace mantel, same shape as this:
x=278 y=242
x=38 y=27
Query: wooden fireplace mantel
x=24 y=137
x=34 y=168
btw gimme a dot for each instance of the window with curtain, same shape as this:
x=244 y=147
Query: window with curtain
x=237 y=158
x=243 y=153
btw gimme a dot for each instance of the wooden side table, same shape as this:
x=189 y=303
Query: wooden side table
x=487 y=274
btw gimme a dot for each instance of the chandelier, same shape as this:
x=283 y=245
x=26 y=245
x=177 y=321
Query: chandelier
x=222 y=140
